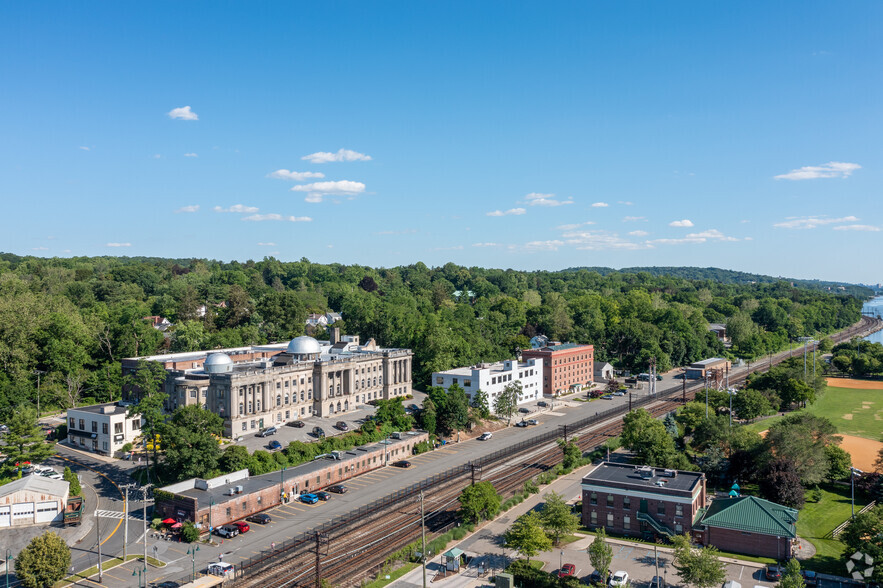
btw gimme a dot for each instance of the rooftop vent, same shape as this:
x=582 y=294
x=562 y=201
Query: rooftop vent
x=671 y=473
x=646 y=472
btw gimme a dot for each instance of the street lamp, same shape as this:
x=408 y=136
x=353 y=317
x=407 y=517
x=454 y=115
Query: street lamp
x=731 y=392
x=137 y=571
x=192 y=553
x=852 y=473
x=8 y=558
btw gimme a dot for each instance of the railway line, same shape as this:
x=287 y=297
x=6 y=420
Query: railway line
x=349 y=548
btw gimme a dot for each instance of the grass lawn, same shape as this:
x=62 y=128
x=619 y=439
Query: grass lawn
x=819 y=518
x=382 y=580
x=853 y=412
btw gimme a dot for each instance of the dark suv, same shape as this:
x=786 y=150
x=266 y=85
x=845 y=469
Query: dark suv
x=342 y=426
x=319 y=432
x=298 y=424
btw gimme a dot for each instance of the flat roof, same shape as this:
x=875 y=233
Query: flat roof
x=707 y=362
x=99 y=409
x=628 y=476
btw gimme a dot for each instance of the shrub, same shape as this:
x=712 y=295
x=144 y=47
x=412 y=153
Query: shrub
x=189 y=532
x=156 y=523
x=126 y=448
x=530 y=487
x=74 y=481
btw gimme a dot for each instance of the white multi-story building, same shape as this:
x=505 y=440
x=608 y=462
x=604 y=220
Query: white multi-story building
x=493 y=378
x=102 y=428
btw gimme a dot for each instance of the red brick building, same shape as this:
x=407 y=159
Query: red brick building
x=747 y=524
x=566 y=367
x=641 y=502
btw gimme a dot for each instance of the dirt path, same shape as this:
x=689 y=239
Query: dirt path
x=855 y=384
x=863 y=451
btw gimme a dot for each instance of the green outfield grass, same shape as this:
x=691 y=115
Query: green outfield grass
x=836 y=403
x=816 y=519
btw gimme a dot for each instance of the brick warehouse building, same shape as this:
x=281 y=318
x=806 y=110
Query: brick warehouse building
x=567 y=367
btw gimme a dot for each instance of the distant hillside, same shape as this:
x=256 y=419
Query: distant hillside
x=725 y=276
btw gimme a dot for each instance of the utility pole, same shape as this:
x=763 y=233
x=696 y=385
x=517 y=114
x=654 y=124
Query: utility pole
x=684 y=387
x=126 y=522
x=656 y=559
x=423 y=538
x=320 y=538
x=98 y=532
x=706 y=395
x=144 y=499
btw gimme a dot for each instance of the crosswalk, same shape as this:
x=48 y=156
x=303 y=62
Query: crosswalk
x=115 y=514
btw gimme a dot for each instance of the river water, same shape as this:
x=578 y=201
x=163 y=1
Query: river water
x=875 y=307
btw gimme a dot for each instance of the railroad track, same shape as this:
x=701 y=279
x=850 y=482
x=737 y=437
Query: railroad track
x=352 y=548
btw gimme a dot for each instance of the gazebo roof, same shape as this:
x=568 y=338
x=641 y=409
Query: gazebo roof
x=453 y=553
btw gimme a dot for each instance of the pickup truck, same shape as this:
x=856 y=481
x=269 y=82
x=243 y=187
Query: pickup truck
x=73 y=511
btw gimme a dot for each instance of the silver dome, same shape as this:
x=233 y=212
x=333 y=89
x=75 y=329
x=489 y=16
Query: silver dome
x=304 y=345
x=218 y=363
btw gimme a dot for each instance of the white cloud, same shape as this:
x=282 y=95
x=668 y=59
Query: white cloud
x=832 y=169
x=626 y=202
x=711 y=234
x=117 y=244
x=679 y=241
x=632 y=219
x=84 y=148
x=485 y=244
x=39 y=249
x=277 y=217
x=812 y=222
x=510 y=212
x=267 y=244
x=550 y=245
x=191 y=155
x=318 y=190
x=681 y=223
x=638 y=233
x=240 y=208
x=869 y=228
x=572 y=226
x=189 y=208
x=540 y=199
x=157 y=156
x=284 y=174
x=340 y=155
x=600 y=205
x=599 y=240
x=183 y=113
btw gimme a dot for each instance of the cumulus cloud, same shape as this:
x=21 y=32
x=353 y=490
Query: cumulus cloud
x=189 y=208
x=191 y=155
x=340 y=155
x=550 y=245
x=638 y=233
x=868 y=228
x=572 y=226
x=678 y=241
x=632 y=219
x=267 y=244
x=485 y=244
x=598 y=241
x=318 y=190
x=510 y=212
x=277 y=217
x=183 y=113
x=540 y=199
x=284 y=174
x=832 y=169
x=84 y=148
x=812 y=222
x=39 y=249
x=681 y=223
x=240 y=208
x=117 y=244
x=600 y=205
x=626 y=202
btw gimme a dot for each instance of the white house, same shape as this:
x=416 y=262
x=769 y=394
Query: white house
x=102 y=428
x=32 y=500
x=317 y=320
x=493 y=378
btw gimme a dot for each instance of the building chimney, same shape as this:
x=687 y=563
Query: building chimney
x=335 y=335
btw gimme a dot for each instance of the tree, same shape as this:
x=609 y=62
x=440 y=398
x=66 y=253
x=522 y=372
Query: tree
x=612 y=386
x=74 y=481
x=25 y=441
x=701 y=568
x=792 y=578
x=601 y=554
x=189 y=532
x=526 y=535
x=393 y=412
x=146 y=383
x=748 y=404
x=780 y=483
x=557 y=516
x=572 y=453
x=190 y=442
x=865 y=534
x=479 y=403
x=43 y=562
x=690 y=416
x=428 y=416
x=801 y=439
x=507 y=401
x=648 y=438
x=479 y=501
x=839 y=462
x=234 y=458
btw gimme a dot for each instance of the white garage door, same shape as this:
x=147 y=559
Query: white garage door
x=5 y=516
x=46 y=511
x=23 y=513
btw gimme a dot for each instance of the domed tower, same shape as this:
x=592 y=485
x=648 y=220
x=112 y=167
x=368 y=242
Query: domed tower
x=218 y=363
x=304 y=348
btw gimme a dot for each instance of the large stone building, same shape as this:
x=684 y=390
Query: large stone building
x=493 y=378
x=263 y=385
x=567 y=367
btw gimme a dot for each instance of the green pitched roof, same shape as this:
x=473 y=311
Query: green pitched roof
x=751 y=514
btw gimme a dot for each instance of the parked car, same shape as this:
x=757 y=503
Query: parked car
x=414 y=407
x=274 y=445
x=810 y=578
x=523 y=409
x=521 y=424
x=657 y=582
x=401 y=464
x=227 y=531
x=308 y=498
x=318 y=432
x=607 y=397
x=567 y=570
x=732 y=584
x=485 y=436
x=260 y=518
x=533 y=422
x=242 y=526
x=51 y=474
x=297 y=424
x=595 y=577
x=619 y=578
x=267 y=432
x=619 y=393
x=342 y=426
x=542 y=403
x=323 y=496
x=658 y=378
x=337 y=489
x=773 y=572
x=165 y=584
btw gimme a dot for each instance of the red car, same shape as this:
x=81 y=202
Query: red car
x=242 y=526
x=566 y=571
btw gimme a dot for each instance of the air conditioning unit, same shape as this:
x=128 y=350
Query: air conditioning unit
x=671 y=473
x=231 y=491
x=238 y=489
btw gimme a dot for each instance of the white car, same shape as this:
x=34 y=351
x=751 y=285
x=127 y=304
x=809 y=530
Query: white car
x=618 y=579
x=485 y=436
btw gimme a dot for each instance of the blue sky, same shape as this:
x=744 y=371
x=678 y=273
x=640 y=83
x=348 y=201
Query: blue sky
x=500 y=134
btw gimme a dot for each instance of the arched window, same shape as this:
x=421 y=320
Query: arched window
x=279 y=400
x=258 y=407
x=330 y=409
x=375 y=381
x=381 y=380
x=338 y=389
x=241 y=407
x=338 y=407
x=250 y=407
x=346 y=405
